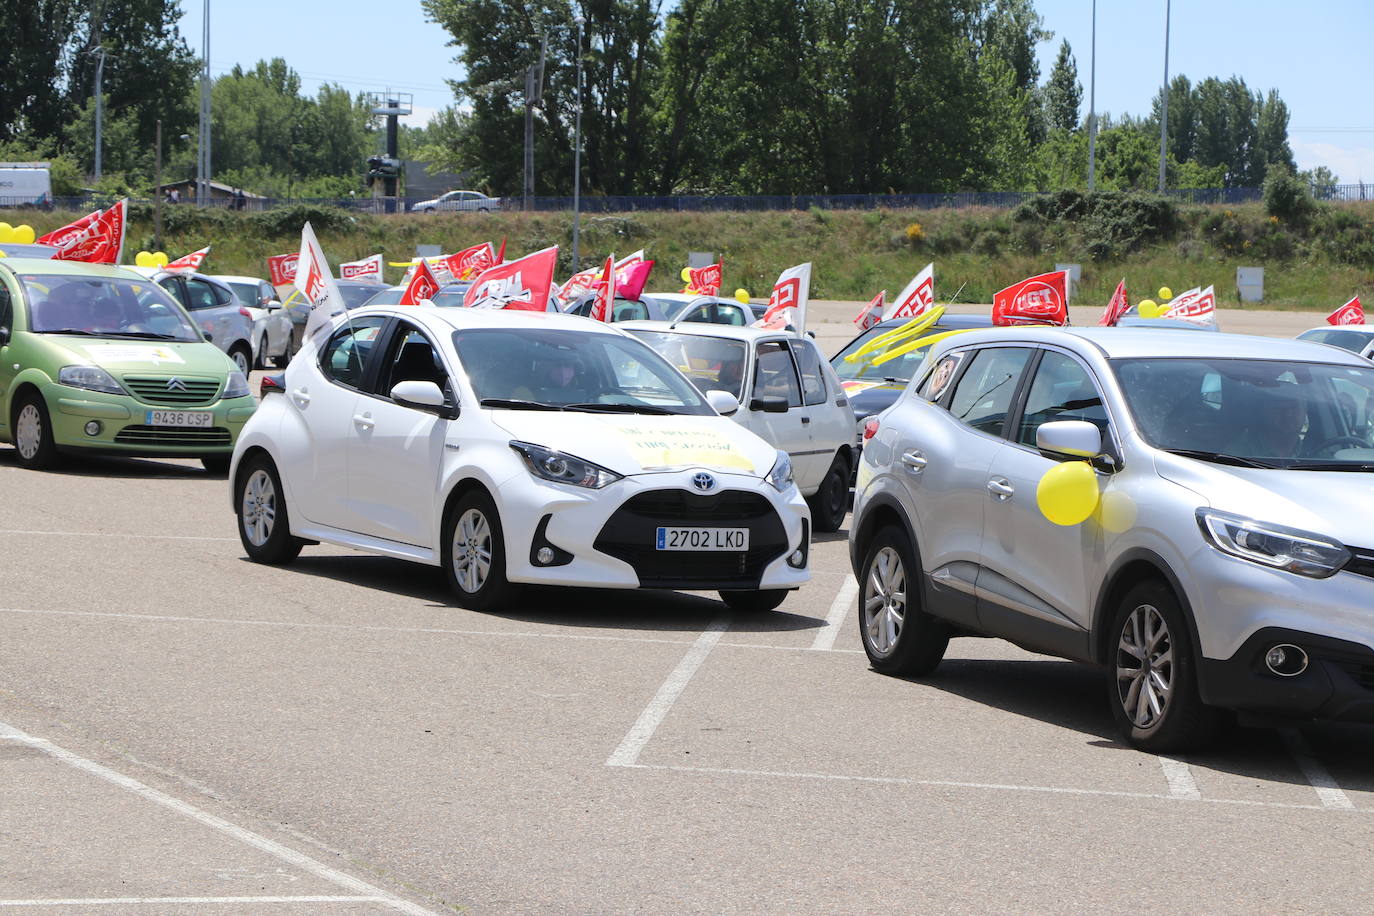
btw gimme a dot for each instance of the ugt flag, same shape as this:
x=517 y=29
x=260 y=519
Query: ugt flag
x=1350 y=313
x=871 y=313
x=603 y=305
x=316 y=283
x=1042 y=299
x=1119 y=305
x=61 y=238
x=282 y=267
x=101 y=242
x=190 y=261
x=787 y=302
x=422 y=286
x=369 y=268
x=470 y=262
x=916 y=298
x=520 y=284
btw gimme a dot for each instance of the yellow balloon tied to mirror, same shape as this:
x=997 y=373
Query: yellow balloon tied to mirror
x=742 y=296
x=1067 y=493
x=1165 y=293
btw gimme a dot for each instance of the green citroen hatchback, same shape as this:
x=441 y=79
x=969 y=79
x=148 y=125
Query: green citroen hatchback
x=99 y=359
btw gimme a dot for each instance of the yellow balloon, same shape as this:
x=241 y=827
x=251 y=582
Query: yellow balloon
x=144 y=259
x=686 y=275
x=1067 y=494
x=1165 y=293
x=24 y=234
x=6 y=232
x=691 y=292
x=3 y=255
x=1147 y=308
x=742 y=296
x=1117 y=511
x=160 y=258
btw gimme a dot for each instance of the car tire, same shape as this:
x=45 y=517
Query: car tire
x=260 y=504
x=261 y=361
x=759 y=601
x=831 y=501
x=215 y=464
x=32 y=433
x=242 y=357
x=477 y=574
x=899 y=637
x=284 y=360
x=1156 y=705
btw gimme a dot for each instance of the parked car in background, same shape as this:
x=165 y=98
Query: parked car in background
x=646 y=308
x=1355 y=338
x=100 y=359
x=787 y=393
x=459 y=200
x=1177 y=324
x=214 y=307
x=708 y=309
x=274 y=336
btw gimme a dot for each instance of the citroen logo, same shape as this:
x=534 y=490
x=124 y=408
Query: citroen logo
x=703 y=481
x=176 y=384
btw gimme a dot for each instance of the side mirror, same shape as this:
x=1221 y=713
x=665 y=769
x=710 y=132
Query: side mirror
x=206 y=335
x=424 y=396
x=723 y=402
x=768 y=405
x=4 y=336
x=1075 y=438
x=271 y=304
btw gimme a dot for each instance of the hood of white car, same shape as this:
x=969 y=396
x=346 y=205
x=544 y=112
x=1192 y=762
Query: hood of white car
x=639 y=444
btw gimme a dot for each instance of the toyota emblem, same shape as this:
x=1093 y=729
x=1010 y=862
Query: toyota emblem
x=175 y=384
x=703 y=481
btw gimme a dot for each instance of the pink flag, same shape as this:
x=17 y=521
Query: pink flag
x=1350 y=313
x=872 y=313
x=629 y=282
x=604 y=304
x=190 y=261
x=1119 y=305
x=916 y=298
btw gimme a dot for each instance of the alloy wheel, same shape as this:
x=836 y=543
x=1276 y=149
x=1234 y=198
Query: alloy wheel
x=1145 y=666
x=259 y=507
x=240 y=360
x=28 y=431
x=472 y=549
x=885 y=601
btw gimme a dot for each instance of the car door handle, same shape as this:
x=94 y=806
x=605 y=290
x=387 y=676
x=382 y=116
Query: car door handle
x=806 y=421
x=363 y=421
x=301 y=397
x=914 y=461
x=1001 y=489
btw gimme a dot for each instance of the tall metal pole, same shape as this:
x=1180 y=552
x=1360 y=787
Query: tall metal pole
x=529 y=137
x=1164 y=107
x=1092 y=107
x=99 y=109
x=157 y=189
x=203 y=153
x=577 y=152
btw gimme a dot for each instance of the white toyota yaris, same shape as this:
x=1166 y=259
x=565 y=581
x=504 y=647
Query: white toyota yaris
x=516 y=447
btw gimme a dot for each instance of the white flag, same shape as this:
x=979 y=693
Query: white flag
x=316 y=283
x=917 y=298
x=1197 y=306
x=787 y=303
x=369 y=268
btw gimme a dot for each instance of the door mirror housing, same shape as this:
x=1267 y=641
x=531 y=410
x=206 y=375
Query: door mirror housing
x=1075 y=438
x=424 y=396
x=206 y=335
x=271 y=304
x=768 y=405
x=723 y=402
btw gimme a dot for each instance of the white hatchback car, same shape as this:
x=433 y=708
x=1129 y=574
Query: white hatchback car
x=516 y=447
x=795 y=400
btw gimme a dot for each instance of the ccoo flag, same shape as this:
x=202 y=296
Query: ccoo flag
x=1118 y=306
x=787 y=302
x=917 y=298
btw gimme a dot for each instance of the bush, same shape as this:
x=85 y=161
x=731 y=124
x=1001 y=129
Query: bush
x=287 y=221
x=915 y=235
x=1286 y=196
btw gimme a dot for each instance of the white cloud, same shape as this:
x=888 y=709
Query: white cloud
x=1351 y=164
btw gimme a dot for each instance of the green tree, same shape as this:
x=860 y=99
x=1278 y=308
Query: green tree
x=1063 y=93
x=36 y=58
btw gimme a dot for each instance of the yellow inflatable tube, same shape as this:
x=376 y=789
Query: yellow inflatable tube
x=912 y=327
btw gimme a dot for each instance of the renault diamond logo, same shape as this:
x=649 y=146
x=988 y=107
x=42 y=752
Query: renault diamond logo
x=703 y=481
x=175 y=384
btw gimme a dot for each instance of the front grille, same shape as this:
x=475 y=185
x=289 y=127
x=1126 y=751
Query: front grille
x=153 y=390
x=630 y=535
x=1362 y=674
x=172 y=435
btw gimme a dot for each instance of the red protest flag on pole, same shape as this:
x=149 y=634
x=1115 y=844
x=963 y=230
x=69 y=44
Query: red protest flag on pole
x=603 y=305
x=630 y=281
x=102 y=241
x=1119 y=305
x=470 y=262
x=1042 y=299
x=1350 y=313
x=501 y=255
x=706 y=280
x=60 y=238
x=190 y=261
x=423 y=285
x=282 y=267
x=872 y=313
x=521 y=284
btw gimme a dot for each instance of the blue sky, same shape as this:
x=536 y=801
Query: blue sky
x=1315 y=55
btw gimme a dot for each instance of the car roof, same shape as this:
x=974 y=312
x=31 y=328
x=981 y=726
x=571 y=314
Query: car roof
x=1357 y=328
x=1140 y=343
x=706 y=329
x=236 y=278
x=65 y=268
x=462 y=318
x=947 y=321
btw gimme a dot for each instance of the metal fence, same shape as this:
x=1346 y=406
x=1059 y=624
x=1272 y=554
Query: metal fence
x=713 y=204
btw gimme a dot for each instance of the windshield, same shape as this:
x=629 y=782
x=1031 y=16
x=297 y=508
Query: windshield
x=898 y=369
x=555 y=369
x=104 y=307
x=247 y=294
x=389 y=296
x=451 y=296
x=712 y=363
x=1266 y=413
x=356 y=294
x=1354 y=341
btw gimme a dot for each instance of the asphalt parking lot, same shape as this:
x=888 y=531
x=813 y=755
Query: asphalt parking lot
x=184 y=731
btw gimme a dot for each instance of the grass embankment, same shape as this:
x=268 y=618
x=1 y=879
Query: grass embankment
x=1316 y=265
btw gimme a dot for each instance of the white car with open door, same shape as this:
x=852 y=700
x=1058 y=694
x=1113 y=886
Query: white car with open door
x=788 y=394
x=516 y=447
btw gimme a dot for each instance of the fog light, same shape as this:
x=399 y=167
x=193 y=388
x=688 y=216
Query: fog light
x=93 y=428
x=1286 y=660
x=797 y=558
x=544 y=556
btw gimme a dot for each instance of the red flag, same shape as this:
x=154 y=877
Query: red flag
x=60 y=238
x=101 y=242
x=1036 y=300
x=917 y=298
x=422 y=285
x=501 y=255
x=522 y=284
x=629 y=281
x=1119 y=305
x=470 y=262
x=706 y=280
x=604 y=304
x=872 y=313
x=191 y=261
x=1350 y=313
x=282 y=267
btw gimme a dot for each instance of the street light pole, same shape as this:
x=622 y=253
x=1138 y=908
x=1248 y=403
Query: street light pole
x=203 y=153
x=99 y=108
x=1092 y=107
x=157 y=188
x=577 y=150
x=1164 y=106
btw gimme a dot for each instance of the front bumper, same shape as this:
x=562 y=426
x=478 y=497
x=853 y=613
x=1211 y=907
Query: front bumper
x=124 y=430
x=1337 y=684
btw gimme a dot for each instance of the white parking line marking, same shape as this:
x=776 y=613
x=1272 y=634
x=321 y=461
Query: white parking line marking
x=653 y=715
x=1328 y=790
x=1180 y=779
x=243 y=835
x=117 y=901
x=839 y=609
x=123 y=536
x=997 y=787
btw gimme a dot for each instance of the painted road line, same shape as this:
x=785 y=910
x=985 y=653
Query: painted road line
x=243 y=835
x=839 y=609
x=1328 y=790
x=1180 y=779
x=185 y=901
x=627 y=754
x=123 y=536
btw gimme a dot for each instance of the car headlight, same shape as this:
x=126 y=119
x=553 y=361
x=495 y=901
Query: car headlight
x=237 y=386
x=781 y=475
x=564 y=468
x=92 y=378
x=1300 y=552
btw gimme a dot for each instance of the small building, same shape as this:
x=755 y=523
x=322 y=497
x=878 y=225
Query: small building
x=221 y=195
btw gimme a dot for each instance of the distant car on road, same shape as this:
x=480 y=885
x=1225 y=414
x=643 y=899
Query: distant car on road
x=1357 y=338
x=459 y=200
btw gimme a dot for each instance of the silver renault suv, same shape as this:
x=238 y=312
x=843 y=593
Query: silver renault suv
x=1226 y=560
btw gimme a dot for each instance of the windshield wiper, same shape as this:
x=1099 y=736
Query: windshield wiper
x=1357 y=467
x=1219 y=457
x=518 y=404
x=83 y=333
x=621 y=408
x=148 y=335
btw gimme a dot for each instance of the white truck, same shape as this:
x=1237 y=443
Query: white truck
x=25 y=184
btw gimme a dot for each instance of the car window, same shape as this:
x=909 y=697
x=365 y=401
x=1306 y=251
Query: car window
x=983 y=393
x=775 y=375
x=412 y=358
x=812 y=379
x=629 y=310
x=1354 y=341
x=6 y=310
x=712 y=363
x=202 y=295
x=104 y=306
x=1061 y=390
x=345 y=358
x=173 y=286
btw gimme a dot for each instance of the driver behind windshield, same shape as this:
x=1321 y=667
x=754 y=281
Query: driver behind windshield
x=1277 y=431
